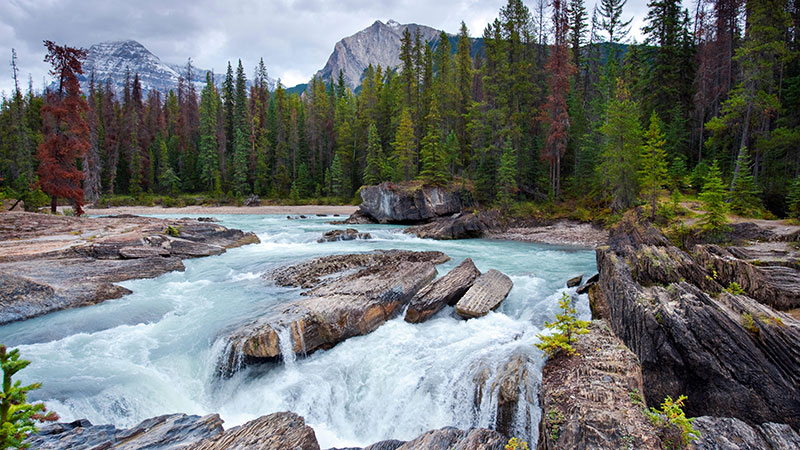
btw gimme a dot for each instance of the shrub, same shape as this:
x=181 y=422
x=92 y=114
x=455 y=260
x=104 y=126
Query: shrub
x=671 y=417
x=568 y=328
x=735 y=289
x=18 y=418
x=749 y=324
x=172 y=231
x=516 y=444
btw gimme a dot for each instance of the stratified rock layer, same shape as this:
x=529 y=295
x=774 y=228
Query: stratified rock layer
x=408 y=203
x=725 y=433
x=442 y=292
x=277 y=431
x=486 y=294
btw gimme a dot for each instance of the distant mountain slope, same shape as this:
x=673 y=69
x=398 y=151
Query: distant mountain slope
x=378 y=44
x=113 y=60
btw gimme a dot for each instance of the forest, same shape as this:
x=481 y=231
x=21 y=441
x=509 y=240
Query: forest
x=561 y=104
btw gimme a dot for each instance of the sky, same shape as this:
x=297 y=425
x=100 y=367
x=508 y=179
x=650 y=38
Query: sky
x=295 y=37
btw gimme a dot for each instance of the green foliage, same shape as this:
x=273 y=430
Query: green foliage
x=653 y=168
x=208 y=160
x=671 y=415
x=793 y=199
x=744 y=193
x=713 y=198
x=18 y=418
x=749 y=324
x=404 y=148
x=554 y=421
x=516 y=444
x=432 y=154
x=506 y=175
x=376 y=165
x=567 y=327
x=172 y=231
x=620 y=155
x=734 y=288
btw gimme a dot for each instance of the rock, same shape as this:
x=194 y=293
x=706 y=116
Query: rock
x=486 y=294
x=49 y=263
x=732 y=356
x=442 y=292
x=168 y=432
x=253 y=200
x=593 y=398
x=776 y=286
x=512 y=389
x=357 y=295
x=459 y=226
x=449 y=438
x=726 y=433
x=584 y=288
x=391 y=444
x=343 y=235
x=408 y=203
x=357 y=218
x=575 y=281
x=279 y=431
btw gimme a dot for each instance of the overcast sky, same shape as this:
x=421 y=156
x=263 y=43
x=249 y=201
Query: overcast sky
x=295 y=37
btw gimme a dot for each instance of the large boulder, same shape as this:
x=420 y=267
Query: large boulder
x=279 y=431
x=457 y=226
x=351 y=295
x=409 y=203
x=442 y=292
x=593 y=398
x=168 y=432
x=486 y=294
x=449 y=438
x=731 y=355
x=726 y=433
x=511 y=391
x=349 y=234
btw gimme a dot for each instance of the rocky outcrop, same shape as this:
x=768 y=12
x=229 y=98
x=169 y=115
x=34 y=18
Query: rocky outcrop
x=343 y=235
x=513 y=390
x=574 y=281
x=49 y=263
x=486 y=294
x=351 y=295
x=357 y=218
x=731 y=355
x=593 y=398
x=279 y=431
x=457 y=226
x=168 y=432
x=408 y=203
x=725 y=433
x=449 y=438
x=445 y=291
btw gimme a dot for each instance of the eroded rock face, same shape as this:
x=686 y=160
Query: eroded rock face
x=726 y=433
x=49 y=263
x=589 y=400
x=486 y=294
x=732 y=356
x=408 y=204
x=512 y=389
x=442 y=292
x=449 y=438
x=343 y=235
x=458 y=226
x=357 y=295
x=168 y=432
x=279 y=431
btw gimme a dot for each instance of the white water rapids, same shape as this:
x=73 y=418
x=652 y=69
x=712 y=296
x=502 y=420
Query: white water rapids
x=154 y=352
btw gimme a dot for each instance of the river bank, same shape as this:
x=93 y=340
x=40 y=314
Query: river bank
x=330 y=210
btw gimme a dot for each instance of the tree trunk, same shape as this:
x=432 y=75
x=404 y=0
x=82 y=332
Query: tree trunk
x=53 y=204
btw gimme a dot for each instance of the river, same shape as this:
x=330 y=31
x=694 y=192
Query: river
x=154 y=351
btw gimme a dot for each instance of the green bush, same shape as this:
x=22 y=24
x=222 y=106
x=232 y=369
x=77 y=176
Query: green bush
x=18 y=418
x=516 y=444
x=671 y=417
x=568 y=328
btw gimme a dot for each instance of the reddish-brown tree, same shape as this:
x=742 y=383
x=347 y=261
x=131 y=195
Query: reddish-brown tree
x=555 y=113
x=66 y=133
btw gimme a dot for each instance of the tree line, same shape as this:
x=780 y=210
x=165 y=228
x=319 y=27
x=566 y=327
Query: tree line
x=558 y=103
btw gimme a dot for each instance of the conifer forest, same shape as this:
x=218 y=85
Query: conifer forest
x=556 y=102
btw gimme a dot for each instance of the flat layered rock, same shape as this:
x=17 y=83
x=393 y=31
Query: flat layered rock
x=352 y=295
x=442 y=292
x=349 y=234
x=49 y=263
x=279 y=431
x=486 y=294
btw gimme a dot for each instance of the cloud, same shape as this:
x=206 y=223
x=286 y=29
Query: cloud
x=295 y=37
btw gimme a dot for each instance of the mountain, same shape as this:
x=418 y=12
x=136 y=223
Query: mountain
x=378 y=44
x=113 y=60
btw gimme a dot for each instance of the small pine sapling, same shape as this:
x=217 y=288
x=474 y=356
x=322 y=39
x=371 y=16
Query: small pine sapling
x=671 y=416
x=713 y=198
x=567 y=327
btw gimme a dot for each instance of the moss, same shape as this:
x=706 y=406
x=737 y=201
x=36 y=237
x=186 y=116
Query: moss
x=749 y=324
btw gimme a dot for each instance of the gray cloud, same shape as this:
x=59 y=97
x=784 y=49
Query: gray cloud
x=295 y=37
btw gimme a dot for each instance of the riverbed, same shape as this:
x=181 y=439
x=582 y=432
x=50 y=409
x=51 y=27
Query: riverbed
x=155 y=351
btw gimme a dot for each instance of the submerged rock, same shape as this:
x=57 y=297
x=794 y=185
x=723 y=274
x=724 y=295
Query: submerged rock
x=49 y=263
x=575 y=281
x=593 y=398
x=168 y=432
x=442 y=292
x=732 y=356
x=486 y=294
x=726 y=433
x=279 y=431
x=357 y=295
x=584 y=288
x=408 y=203
x=343 y=235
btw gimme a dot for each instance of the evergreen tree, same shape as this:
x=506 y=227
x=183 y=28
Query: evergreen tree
x=793 y=199
x=208 y=159
x=744 y=192
x=611 y=21
x=404 y=148
x=713 y=198
x=506 y=175
x=374 y=172
x=337 y=177
x=432 y=153
x=621 y=150
x=653 y=168
x=241 y=134
x=167 y=180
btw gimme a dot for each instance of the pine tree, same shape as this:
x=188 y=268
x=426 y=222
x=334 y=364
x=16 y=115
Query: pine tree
x=793 y=199
x=713 y=198
x=506 y=175
x=208 y=159
x=337 y=177
x=432 y=154
x=66 y=130
x=744 y=192
x=373 y=174
x=621 y=150
x=167 y=180
x=404 y=148
x=653 y=168
x=241 y=134
x=611 y=21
